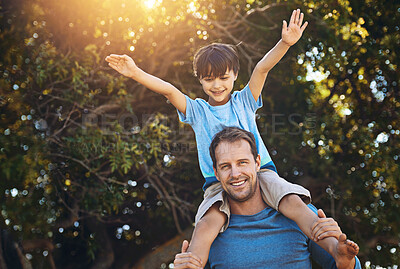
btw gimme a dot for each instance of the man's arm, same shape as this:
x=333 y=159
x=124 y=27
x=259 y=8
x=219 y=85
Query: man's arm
x=290 y=35
x=127 y=67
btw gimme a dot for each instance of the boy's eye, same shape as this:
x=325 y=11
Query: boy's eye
x=223 y=78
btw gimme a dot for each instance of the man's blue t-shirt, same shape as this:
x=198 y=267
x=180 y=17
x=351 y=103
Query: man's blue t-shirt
x=266 y=240
x=207 y=120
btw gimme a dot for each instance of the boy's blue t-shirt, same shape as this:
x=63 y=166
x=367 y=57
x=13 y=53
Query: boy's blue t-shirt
x=207 y=120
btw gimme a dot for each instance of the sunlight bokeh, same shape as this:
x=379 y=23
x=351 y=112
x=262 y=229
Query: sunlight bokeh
x=151 y=3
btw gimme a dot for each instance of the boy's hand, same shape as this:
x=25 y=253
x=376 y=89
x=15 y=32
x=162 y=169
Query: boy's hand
x=291 y=34
x=325 y=227
x=123 y=64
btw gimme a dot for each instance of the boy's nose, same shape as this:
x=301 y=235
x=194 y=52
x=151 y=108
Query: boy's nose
x=216 y=83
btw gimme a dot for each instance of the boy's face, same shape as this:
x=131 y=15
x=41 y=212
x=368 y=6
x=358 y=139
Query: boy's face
x=218 y=89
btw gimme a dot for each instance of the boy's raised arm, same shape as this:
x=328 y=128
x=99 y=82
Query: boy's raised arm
x=127 y=67
x=290 y=35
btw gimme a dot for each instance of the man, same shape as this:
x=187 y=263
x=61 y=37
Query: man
x=257 y=235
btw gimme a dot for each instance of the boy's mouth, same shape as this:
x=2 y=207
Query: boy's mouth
x=218 y=92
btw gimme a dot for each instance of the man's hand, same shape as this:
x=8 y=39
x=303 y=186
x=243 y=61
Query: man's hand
x=122 y=64
x=185 y=259
x=291 y=34
x=325 y=227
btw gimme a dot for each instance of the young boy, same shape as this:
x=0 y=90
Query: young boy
x=217 y=67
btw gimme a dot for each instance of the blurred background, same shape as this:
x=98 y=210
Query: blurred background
x=97 y=172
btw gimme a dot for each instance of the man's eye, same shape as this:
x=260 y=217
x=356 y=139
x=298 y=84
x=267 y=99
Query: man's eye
x=223 y=78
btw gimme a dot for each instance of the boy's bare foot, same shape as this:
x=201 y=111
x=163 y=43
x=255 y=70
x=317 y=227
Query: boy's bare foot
x=346 y=250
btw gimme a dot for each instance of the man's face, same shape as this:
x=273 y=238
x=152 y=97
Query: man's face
x=236 y=169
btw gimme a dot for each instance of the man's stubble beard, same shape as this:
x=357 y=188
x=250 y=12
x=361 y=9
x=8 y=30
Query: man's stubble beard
x=253 y=188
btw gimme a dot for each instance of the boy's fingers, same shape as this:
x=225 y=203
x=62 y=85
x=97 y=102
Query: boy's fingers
x=113 y=66
x=297 y=17
x=126 y=58
x=292 y=18
x=284 y=26
x=301 y=19
x=304 y=26
x=116 y=57
x=112 y=60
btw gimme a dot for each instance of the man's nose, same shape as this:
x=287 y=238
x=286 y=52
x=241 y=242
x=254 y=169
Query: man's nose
x=235 y=172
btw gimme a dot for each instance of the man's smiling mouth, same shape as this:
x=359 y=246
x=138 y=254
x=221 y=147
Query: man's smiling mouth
x=239 y=183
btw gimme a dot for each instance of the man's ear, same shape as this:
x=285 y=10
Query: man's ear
x=258 y=162
x=215 y=173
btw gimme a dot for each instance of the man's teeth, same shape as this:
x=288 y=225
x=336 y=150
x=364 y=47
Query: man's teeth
x=238 y=183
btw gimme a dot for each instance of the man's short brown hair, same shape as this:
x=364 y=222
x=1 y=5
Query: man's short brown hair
x=232 y=134
x=215 y=59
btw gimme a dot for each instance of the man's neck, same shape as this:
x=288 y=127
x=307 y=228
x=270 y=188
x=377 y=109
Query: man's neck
x=250 y=207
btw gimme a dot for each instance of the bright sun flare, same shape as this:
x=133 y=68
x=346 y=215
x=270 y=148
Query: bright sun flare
x=150 y=3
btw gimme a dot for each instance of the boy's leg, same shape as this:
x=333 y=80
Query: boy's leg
x=278 y=193
x=206 y=230
x=342 y=250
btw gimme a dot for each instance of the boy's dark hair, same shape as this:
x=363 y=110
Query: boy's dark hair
x=214 y=59
x=232 y=134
